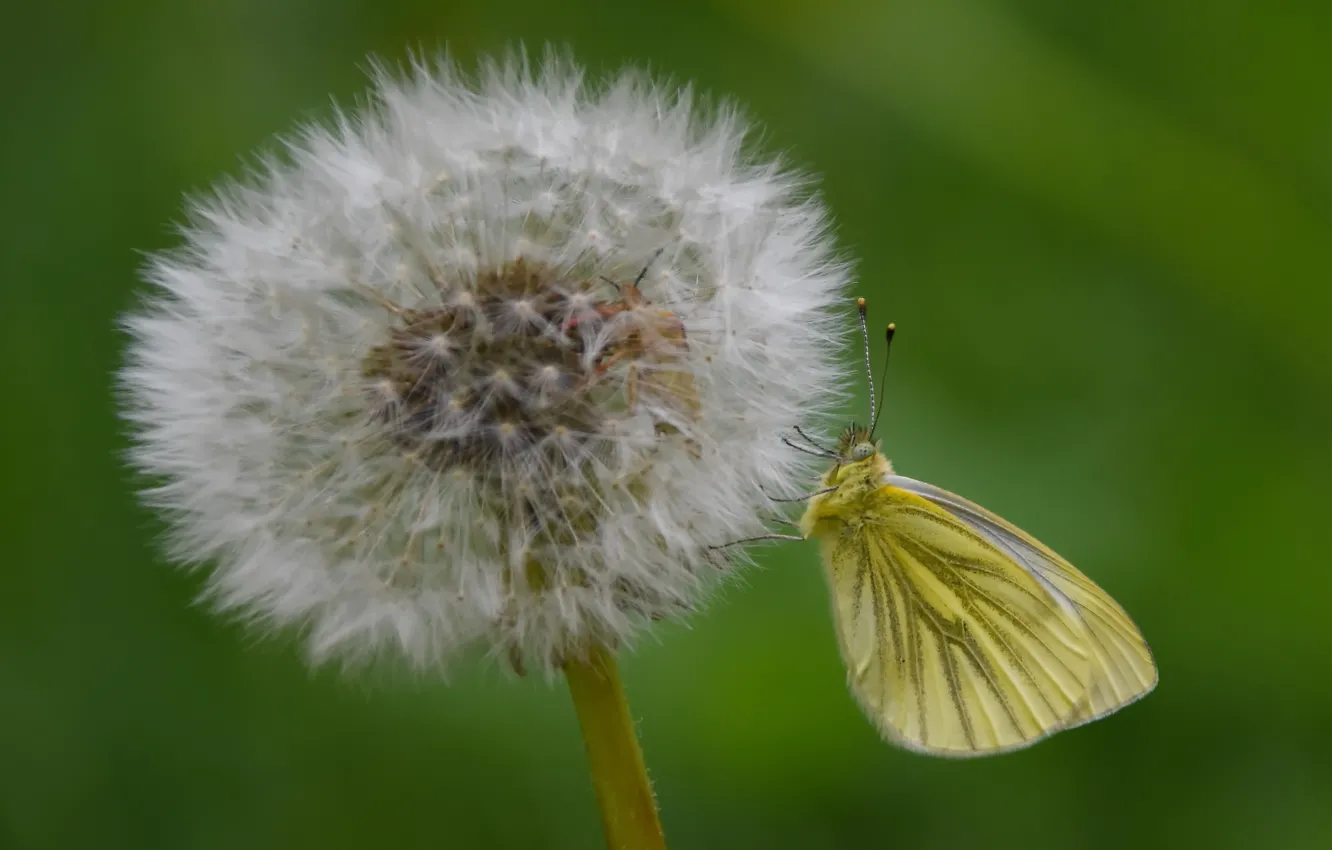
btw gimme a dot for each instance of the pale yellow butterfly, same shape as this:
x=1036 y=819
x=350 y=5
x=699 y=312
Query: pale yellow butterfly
x=962 y=635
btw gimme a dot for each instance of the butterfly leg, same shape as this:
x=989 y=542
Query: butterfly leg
x=803 y=498
x=758 y=538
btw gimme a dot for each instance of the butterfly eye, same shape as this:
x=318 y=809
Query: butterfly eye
x=862 y=451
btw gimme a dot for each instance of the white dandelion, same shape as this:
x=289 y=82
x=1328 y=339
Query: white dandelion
x=490 y=363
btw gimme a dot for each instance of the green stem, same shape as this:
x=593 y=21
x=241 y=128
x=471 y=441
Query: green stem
x=628 y=810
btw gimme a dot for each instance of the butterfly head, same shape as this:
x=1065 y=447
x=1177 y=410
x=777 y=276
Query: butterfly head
x=856 y=444
x=858 y=456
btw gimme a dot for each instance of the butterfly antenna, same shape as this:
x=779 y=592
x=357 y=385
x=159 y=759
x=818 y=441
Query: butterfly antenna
x=883 y=377
x=864 y=335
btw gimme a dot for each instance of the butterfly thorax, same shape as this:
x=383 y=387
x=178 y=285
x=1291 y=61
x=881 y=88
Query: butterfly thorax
x=857 y=480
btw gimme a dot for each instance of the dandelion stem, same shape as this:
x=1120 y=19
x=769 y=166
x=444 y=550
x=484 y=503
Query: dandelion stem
x=628 y=809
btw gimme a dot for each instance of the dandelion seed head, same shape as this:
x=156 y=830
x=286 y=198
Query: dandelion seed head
x=491 y=362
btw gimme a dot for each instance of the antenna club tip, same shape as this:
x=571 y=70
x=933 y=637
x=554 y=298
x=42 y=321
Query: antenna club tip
x=860 y=304
x=892 y=329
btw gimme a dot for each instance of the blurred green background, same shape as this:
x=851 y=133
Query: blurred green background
x=1103 y=229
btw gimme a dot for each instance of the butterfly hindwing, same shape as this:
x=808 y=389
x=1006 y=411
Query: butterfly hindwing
x=1123 y=669
x=951 y=646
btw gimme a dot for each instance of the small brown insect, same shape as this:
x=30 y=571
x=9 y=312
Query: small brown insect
x=654 y=343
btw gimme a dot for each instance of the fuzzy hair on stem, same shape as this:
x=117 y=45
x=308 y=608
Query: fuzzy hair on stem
x=491 y=361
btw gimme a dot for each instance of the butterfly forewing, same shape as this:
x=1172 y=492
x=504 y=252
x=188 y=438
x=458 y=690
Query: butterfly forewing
x=951 y=646
x=1123 y=670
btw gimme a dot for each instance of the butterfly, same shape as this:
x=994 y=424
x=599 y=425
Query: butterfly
x=962 y=634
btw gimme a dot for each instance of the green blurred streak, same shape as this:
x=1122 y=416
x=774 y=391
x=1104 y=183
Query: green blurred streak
x=1051 y=126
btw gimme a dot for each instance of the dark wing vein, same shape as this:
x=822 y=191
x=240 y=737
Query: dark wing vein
x=1122 y=661
x=951 y=632
x=1015 y=620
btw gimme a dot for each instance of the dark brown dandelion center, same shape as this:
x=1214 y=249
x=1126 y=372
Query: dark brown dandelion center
x=493 y=373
